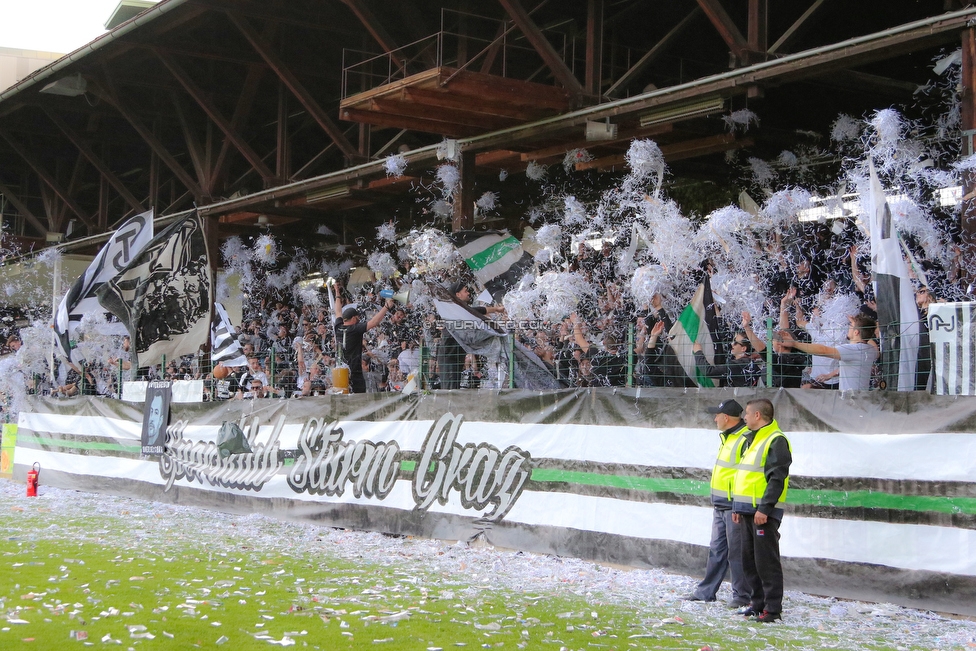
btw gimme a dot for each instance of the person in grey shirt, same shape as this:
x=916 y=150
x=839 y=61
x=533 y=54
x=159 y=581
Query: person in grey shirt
x=856 y=357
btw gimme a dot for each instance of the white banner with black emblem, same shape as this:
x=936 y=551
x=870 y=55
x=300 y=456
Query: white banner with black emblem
x=953 y=337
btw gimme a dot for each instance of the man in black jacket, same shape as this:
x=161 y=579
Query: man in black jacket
x=758 y=493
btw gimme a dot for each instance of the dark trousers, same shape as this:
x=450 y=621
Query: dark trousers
x=357 y=382
x=450 y=361
x=761 y=563
x=724 y=556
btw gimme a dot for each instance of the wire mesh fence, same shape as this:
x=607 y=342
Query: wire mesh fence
x=637 y=354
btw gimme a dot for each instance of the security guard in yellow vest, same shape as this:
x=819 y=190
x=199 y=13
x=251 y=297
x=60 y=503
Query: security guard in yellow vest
x=725 y=549
x=758 y=493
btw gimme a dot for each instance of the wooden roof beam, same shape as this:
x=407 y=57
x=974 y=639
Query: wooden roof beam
x=559 y=69
x=723 y=24
x=46 y=177
x=282 y=14
x=23 y=209
x=73 y=182
x=653 y=53
x=623 y=136
x=675 y=151
x=414 y=124
x=245 y=102
x=107 y=92
x=486 y=105
x=375 y=29
x=529 y=95
x=198 y=156
x=798 y=28
x=94 y=159
x=466 y=118
x=262 y=47
x=215 y=115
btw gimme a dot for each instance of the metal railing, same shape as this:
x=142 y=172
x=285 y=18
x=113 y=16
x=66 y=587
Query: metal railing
x=465 y=41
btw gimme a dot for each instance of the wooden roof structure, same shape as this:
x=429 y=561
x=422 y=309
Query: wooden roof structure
x=281 y=113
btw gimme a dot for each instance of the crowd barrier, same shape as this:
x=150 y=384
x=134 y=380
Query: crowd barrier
x=881 y=506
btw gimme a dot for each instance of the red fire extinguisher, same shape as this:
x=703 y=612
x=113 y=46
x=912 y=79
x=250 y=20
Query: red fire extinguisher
x=32 y=479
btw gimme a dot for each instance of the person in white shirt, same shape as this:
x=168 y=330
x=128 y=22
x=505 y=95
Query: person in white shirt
x=856 y=357
x=409 y=359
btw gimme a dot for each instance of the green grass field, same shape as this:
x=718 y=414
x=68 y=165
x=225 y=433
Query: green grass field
x=79 y=569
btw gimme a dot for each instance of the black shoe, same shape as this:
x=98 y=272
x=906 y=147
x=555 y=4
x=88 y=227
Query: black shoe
x=749 y=611
x=694 y=597
x=766 y=617
x=735 y=603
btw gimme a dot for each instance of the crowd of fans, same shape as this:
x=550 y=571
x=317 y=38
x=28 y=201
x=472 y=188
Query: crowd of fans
x=609 y=340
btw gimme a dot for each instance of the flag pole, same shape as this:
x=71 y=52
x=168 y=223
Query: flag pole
x=55 y=291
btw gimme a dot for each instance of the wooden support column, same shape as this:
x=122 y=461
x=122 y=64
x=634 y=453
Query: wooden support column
x=967 y=216
x=758 y=33
x=594 y=47
x=211 y=225
x=364 y=140
x=464 y=197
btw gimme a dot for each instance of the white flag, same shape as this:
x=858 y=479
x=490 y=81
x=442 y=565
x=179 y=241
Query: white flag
x=897 y=312
x=127 y=242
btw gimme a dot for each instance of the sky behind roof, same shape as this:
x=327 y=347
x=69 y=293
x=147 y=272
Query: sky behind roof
x=60 y=26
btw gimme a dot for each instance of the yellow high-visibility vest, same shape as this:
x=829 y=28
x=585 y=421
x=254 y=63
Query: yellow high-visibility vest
x=723 y=473
x=750 y=478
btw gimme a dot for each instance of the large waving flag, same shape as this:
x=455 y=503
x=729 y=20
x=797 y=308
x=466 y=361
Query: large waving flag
x=127 y=242
x=697 y=323
x=495 y=257
x=897 y=311
x=476 y=335
x=225 y=348
x=164 y=295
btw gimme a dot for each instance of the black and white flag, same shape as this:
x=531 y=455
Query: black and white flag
x=477 y=336
x=897 y=311
x=225 y=348
x=127 y=242
x=163 y=296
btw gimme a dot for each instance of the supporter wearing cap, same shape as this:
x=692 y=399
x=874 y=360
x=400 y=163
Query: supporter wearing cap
x=724 y=549
x=349 y=331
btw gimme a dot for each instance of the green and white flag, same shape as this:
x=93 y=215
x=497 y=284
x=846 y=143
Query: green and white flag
x=697 y=323
x=495 y=257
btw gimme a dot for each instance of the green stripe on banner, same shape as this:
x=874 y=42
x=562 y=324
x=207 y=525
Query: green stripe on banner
x=690 y=321
x=654 y=484
x=79 y=445
x=493 y=253
x=823 y=498
x=872 y=500
x=839 y=499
